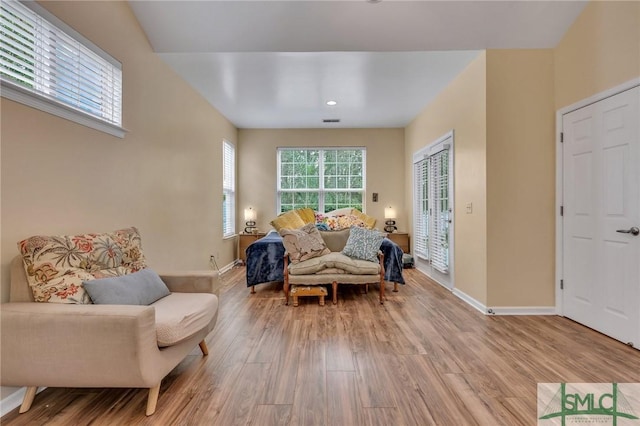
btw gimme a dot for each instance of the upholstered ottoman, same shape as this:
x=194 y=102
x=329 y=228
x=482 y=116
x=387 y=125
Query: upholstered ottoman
x=308 y=290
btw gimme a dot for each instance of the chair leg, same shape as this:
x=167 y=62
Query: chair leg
x=395 y=287
x=152 y=400
x=253 y=289
x=334 y=287
x=203 y=348
x=29 y=395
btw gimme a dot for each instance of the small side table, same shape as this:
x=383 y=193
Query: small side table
x=401 y=239
x=308 y=290
x=244 y=240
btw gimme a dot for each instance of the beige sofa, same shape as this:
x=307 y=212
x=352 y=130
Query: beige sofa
x=334 y=268
x=87 y=345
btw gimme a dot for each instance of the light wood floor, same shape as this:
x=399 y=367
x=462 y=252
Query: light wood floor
x=423 y=358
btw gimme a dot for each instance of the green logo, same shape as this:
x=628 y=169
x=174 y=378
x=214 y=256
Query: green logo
x=587 y=403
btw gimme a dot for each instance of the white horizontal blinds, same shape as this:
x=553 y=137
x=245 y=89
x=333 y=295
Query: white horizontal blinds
x=228 y=189
x=439 y=229
x=421 y=207
x=41 y=58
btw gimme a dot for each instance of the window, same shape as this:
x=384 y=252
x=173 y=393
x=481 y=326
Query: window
x=432 y=209
x=228 y=189
x=47 y=65
x=323 y=179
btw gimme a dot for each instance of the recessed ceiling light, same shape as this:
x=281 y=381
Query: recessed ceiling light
x=332 y=103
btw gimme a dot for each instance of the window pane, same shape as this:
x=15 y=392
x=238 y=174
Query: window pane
x=301 y=169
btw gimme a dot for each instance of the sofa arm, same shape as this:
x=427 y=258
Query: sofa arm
x=192 y=281
x=42 y=340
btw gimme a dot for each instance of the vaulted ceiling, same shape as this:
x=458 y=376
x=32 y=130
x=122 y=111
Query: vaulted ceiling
x=275 y=64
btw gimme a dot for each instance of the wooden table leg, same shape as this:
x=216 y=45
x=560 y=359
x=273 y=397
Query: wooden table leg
x=253 y=289
x=395 y=287
x=334 y=287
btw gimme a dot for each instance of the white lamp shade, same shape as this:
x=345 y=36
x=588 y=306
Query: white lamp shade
x=249 y=215
x=389 y=213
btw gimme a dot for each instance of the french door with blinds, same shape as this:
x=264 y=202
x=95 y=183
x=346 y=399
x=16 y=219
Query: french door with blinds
x=432 y=209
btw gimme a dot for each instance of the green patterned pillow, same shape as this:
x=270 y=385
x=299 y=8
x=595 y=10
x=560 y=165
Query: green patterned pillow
x=363 y=244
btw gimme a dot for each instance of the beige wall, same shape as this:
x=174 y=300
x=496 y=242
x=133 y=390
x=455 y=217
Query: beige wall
x=164 y=177
x=257 y=169
x=601 y=50
x=520 y=178
x=461 y=106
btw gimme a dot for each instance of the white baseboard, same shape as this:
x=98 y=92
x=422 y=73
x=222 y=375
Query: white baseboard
x=227 y=268
x=14 y=400
x=522 y=310
x=470 y=300
x=504 y=310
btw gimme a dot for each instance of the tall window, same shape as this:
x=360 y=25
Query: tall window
x=432 y=209
x=324 y=179
x=47 y=65
x=228 y=189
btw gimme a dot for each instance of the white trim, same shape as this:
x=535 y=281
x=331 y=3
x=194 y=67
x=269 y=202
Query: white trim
x=37 y=101
x=227 y=267
x=559 y=310
x=522 y=310
x=14 y=400
x=469 y=300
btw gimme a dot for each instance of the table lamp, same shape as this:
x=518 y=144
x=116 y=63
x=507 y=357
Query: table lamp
x=390 y=222
x=250 y=221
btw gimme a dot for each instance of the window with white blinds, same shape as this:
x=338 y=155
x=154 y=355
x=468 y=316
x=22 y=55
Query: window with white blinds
x=421 y=207
x=228 y=189
x=47 y=65
x=432 y=208
x=439 y=226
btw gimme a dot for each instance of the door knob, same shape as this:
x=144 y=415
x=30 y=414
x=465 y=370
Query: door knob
x=633 y=230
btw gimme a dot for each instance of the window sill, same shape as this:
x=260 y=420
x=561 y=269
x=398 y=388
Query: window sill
x=25 y=97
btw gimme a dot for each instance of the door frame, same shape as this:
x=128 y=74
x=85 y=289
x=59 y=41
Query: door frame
x=419 y=264
x=559 y=173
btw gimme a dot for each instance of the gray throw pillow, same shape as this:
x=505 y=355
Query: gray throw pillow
x=139 y=288
x=363 y=244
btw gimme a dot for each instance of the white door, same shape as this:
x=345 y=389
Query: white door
x=601 y=191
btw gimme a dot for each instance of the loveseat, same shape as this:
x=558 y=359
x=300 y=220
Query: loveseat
x=100 y=345
x=348 y=256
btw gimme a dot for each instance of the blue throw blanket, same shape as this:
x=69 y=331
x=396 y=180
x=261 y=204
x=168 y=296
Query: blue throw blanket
x=265 y=260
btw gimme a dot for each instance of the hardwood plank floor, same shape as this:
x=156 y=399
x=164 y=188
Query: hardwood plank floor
x=423 y=358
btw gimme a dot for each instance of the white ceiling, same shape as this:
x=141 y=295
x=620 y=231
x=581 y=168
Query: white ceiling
x=274 y=64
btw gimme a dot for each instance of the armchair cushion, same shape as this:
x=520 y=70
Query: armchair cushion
x=139 y=288
x=304 y=243
x=181 y=315
x=363 y=244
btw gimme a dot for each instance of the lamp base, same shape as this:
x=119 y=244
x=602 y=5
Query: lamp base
x=391 y=226
x=250 y=227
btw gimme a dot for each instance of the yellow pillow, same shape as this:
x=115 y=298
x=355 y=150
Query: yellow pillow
x=369 y=221
x=307 y=215
x=287 y=220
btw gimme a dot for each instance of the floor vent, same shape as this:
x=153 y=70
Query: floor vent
x=331 y=120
